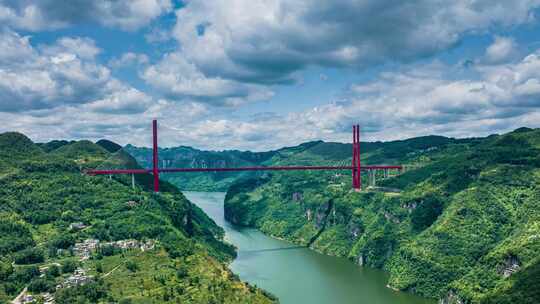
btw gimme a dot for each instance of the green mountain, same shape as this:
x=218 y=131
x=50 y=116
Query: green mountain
x=461 y=224
x=94 y=239
x=187 y=157
x=108 y=145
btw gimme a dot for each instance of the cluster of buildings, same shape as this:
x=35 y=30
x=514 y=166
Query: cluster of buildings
x=132 y=244
x=77 y=226
x=132 y=204
x=48 y=298
x=79 y=277
x=25 y=298
x=85 y=249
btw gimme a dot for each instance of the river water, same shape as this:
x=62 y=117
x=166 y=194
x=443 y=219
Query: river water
x=296 y=274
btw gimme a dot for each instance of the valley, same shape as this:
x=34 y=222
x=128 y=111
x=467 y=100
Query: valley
x=459 y=225
x=188 y=157
x=200 y=152
x=296 y=274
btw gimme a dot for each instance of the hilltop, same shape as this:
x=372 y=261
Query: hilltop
x=462 y=224
x=94 y=239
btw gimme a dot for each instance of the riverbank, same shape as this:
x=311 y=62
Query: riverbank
x=296 y=274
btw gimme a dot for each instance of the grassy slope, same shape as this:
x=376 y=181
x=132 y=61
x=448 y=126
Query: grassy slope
x=42 y=193
x=464 y=210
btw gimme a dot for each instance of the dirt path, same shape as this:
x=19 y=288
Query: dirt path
x=116 y=267
x=19 y=298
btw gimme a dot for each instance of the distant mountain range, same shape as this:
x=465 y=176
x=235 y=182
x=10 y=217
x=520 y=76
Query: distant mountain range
x=188 y=157
x=315 y=152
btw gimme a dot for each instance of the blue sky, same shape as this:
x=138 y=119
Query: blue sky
x=253 y=74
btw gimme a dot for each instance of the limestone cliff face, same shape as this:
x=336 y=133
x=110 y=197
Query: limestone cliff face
x=322 y=214
x=354 y=228
x=452 y=298
x=510 y=266
x=322 y=220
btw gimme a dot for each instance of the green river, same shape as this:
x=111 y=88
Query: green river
x=296 y=274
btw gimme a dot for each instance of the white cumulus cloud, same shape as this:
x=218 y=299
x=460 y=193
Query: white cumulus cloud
x=266 y=41
x=51 y=14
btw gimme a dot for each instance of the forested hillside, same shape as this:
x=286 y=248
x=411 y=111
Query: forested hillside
x=187 y=157
x=461 y=224
x=93 y=239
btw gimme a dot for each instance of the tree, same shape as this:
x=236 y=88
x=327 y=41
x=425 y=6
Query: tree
x=132 y=266
x=182 y=273
x=52 y=251
x=53 y=271
x=20 y=277
x=29 y=256
x=69 y=266
x=90 y=292
x=41 y=285
x=426 y=213
x=6 y=269
x=14 y=237
x=63 y=241
x=108 y=250
x=99 y=267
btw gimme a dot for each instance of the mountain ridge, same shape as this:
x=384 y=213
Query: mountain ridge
x=190 y=157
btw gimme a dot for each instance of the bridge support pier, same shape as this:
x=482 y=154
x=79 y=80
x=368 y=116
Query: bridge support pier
x=132 y=181
x=372 y=177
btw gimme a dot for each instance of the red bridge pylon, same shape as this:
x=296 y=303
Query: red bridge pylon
x=356 y=167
